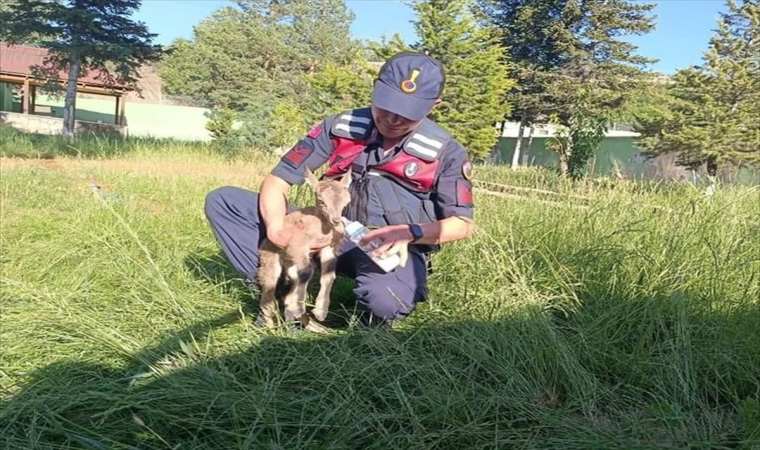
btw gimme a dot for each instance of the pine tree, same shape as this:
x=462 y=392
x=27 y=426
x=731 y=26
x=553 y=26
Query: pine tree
x=476 y=72
x=714 y=108
x=83 y=36
x=571 y=64
x=32 y=39
x=529 y=37
x=381 y=51
x=337 y=88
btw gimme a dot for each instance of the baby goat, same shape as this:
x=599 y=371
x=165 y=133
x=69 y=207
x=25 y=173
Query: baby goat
x=312 y=224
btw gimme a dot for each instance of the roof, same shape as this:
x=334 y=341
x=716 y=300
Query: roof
x=19 y=59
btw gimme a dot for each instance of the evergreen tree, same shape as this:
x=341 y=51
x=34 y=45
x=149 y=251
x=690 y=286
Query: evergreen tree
x=529 y=31
x=714 y=108
x=259 y=47
x=476 y=72
x=263 y=60
x=383 y=50
x=571 y=64
x=83 y=36
x=31 y=39
x=340 y=87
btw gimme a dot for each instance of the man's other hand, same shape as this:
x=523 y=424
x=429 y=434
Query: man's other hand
x=282 y=237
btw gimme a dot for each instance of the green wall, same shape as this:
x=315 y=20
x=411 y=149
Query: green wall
x=6 y=99
x=622 y=150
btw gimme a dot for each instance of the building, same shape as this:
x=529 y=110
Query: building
x=23 y=74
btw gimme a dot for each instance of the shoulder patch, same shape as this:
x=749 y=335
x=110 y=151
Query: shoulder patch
x=297 y=155
x=464 y=193
x=427 y=142
x=315 y=132
x=352 y=124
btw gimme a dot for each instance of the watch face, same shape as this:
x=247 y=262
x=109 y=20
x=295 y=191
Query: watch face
x=416 y=231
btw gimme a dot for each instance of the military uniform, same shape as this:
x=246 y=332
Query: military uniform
x=423 y=179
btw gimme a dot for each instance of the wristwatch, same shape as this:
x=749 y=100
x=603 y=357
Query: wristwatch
x=416 y=232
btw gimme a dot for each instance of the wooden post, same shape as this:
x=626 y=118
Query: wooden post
x=122 y=108
x=27 y=100
x=34 y=99
x=116 y=118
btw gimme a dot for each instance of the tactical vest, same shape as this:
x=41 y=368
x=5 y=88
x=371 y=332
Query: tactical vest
x=400 y=189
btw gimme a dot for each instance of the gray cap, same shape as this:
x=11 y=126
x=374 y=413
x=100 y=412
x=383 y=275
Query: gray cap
x=409 y=84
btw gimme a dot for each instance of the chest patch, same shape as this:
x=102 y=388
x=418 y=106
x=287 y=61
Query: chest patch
x=410 y=169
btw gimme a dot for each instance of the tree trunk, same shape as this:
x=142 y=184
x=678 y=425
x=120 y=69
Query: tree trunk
x=495 y=153
x=563 y=166
x=69 y=104
x=712 y=166
x=530 y=137
x=712 y=172
x=564 y=154
x=518 y=144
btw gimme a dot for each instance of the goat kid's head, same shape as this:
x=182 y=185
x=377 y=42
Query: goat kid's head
x=332 y=196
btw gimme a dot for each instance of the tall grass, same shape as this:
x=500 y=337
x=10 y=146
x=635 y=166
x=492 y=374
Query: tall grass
x=630 y=321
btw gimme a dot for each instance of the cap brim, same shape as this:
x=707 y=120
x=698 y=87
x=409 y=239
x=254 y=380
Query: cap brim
x=405 y=105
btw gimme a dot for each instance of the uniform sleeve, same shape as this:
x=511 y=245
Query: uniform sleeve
x=312 y=151
x=454 y=188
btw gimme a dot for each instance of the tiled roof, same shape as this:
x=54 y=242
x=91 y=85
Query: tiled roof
x=19 y=60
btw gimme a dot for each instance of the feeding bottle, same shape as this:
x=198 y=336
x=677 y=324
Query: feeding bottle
x=355 y=231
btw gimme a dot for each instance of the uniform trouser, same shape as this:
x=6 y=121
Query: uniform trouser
x=235 y=219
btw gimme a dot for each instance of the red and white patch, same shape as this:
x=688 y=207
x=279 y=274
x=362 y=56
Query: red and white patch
x=297 y=155
x=464 y=193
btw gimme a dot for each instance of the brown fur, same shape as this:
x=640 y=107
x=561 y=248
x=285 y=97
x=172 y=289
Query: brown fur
x=315 y=223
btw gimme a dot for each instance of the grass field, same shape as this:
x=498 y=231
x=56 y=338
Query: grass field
x=628 y=322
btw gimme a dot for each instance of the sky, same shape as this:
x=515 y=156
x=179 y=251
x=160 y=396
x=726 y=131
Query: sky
x=682 y=34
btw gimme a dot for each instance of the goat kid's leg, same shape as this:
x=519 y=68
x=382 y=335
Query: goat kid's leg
x=270 y=270
x=309 y=323
x=329 y=263
x=300 y=274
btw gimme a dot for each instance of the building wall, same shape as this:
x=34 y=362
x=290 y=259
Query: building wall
x=7 y=102
x=141 y=119
x=543 y=130
x=623 y=152
x=32 y=123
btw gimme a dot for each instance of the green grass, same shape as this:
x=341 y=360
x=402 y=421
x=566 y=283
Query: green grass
x=617 y=326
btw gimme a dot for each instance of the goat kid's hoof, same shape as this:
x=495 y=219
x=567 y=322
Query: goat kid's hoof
x=319 y=314
x=310 y=324
x=316 y=327
x=262 y=323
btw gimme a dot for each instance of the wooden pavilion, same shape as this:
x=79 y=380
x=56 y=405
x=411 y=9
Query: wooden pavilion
x=16 y=68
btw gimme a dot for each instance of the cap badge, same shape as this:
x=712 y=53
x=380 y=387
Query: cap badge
x=409 y=85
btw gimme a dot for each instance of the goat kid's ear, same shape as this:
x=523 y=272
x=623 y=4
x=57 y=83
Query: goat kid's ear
x=310 y=178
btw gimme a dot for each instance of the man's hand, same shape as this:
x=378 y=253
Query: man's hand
x=392 y=239
x=281 y=237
